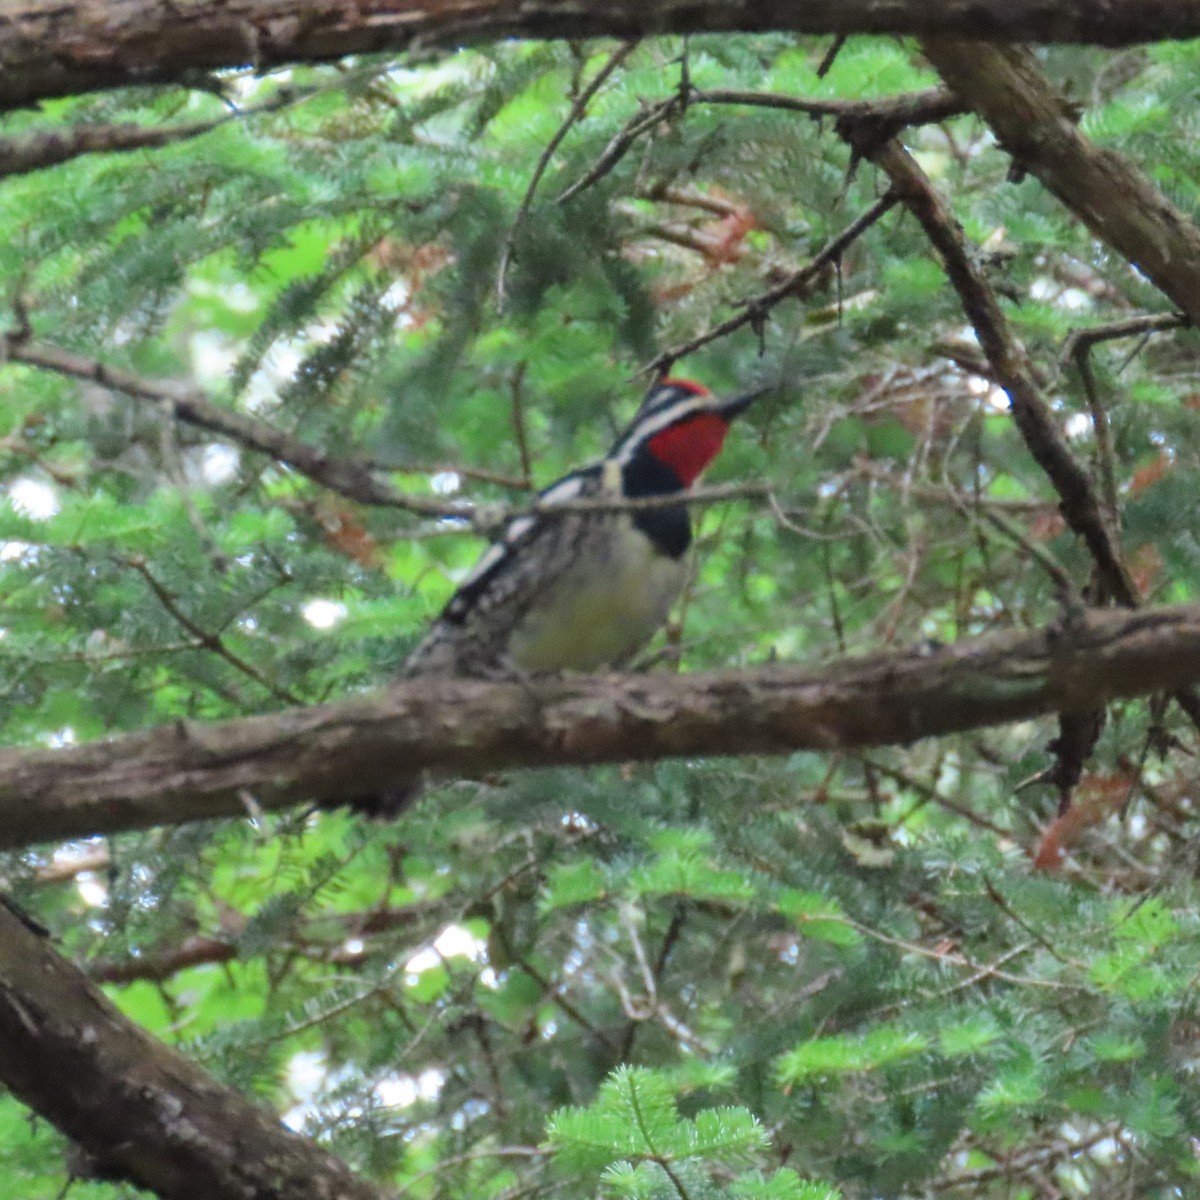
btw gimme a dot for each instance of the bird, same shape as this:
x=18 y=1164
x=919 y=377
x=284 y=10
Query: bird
x=582 y=590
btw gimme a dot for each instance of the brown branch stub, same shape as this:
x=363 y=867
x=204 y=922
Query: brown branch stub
x=142 y=1111
x=332 y=753
x=64 y=47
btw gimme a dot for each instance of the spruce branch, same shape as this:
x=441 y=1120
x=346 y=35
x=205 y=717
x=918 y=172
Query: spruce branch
x=576 y=114
x=206 y=639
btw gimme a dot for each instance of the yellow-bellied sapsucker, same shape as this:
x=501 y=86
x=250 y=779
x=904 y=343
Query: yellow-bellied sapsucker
x=580 y=590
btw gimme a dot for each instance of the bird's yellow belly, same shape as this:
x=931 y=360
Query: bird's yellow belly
x=602 y=615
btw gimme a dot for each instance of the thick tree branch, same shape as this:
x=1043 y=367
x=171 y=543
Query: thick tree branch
x=64 y=47
x=142 y=1111
x=1103 y=189
x=333 y=753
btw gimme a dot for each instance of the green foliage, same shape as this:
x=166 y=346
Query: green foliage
x=683 y=979
x=634 y=1137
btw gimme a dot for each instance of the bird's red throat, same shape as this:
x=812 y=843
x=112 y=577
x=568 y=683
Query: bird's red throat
x=687 y=447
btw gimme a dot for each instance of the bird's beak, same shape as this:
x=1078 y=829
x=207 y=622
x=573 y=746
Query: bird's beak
x=738 y=405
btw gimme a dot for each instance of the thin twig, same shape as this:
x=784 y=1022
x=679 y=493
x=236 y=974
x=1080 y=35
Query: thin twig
x=206 y=640
x=621 y=145
x=1077 y=349
x=577 y=111
x=480 y=474
x=517 y=390
x=835 y=48
x=1128 y=327
x=891 y=114
x=756 y=308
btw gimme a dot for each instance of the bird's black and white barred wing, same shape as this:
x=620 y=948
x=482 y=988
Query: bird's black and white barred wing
x=454 y=644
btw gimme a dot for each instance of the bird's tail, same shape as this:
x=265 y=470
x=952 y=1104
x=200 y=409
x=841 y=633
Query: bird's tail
x=383 y=805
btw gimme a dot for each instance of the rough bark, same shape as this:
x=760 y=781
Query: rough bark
x=337 y=752
x=64 y=47
x=142 y=1112
x=1035 y=124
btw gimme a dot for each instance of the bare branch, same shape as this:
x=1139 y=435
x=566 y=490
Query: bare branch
x=1092 y=335
x=892 y=114
x=335 y=753
x=620 y=145
x=1077 y=349
x=1080 y=504
x=1011 y=368
x=22 y=154
x=347 y=477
